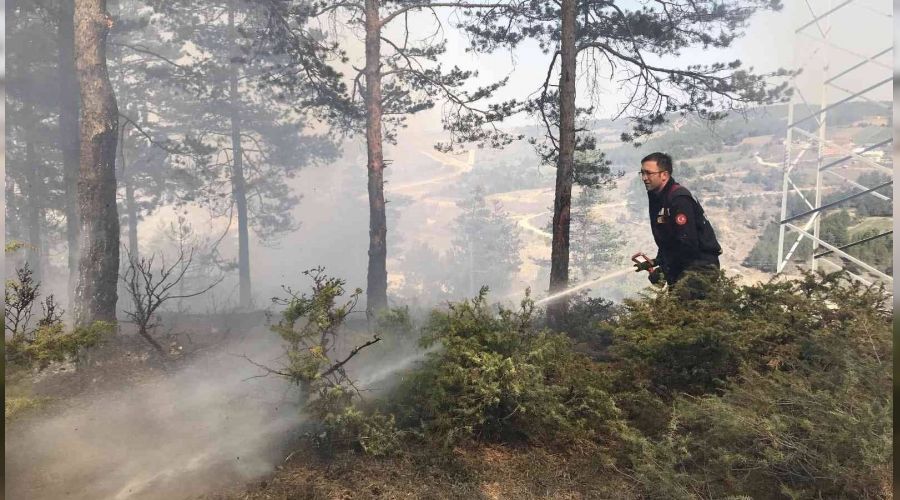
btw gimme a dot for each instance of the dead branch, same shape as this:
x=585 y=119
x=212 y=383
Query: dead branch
x=150 y=286
x=354 y=352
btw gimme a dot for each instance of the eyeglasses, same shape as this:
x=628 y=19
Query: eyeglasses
x=644 y=173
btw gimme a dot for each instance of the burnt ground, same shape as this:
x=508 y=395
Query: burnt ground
x=127 y=423
x=488 y=472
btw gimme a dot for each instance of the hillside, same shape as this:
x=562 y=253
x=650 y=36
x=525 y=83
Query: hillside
x=733 y=167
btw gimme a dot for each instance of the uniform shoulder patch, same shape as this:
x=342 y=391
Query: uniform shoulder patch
x=681 y=219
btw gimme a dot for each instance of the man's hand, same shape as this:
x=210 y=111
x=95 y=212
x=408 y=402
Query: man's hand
x=642 y=262
x=646 y=265
x=655 y=276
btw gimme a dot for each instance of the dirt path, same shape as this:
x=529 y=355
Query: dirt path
x=203 y=427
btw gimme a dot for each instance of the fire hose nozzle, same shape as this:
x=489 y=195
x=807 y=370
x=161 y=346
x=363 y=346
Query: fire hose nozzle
x=642 y=262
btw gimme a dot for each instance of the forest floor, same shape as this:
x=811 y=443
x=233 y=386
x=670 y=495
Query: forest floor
x=475 y=472
x=127 y=424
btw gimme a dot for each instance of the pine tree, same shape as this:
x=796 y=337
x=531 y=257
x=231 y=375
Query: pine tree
x=401 y=77
x=95 y=293
x=485 y=249
x=594 y=242
x=33 y=166
x=252 y=105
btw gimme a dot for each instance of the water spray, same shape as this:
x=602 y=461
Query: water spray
x=397 y=366
x=641 y=262
x=580 y=286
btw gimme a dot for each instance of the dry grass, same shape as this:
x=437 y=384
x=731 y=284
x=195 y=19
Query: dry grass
x=16 y=406
x=474 y=472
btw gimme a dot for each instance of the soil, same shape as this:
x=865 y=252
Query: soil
x=488 y=472
x=129 y=424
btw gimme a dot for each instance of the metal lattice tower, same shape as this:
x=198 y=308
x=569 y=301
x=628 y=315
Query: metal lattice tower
x=844 y=70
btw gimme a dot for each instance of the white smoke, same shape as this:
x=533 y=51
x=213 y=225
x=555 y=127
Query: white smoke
x=205 y=426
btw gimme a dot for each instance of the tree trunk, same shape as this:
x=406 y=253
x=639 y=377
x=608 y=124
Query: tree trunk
x=96 y=293
x=237 y=171
x=376 y=280
x=130 y=205
x=559 y=257
x=143 y=332
x=68 y=136
x=33 y=185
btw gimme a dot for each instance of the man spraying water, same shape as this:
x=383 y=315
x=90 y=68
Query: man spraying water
x=684 y=236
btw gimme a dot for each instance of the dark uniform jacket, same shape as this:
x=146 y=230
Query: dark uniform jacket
x=685 y=238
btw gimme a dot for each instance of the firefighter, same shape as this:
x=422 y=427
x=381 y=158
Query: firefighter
x=683 y=235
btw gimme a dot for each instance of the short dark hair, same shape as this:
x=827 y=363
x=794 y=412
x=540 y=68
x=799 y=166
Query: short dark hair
x=663 y=161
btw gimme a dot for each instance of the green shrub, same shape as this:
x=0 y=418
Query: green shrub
x=398 y=331
x=369 y=431
x=777 y=390
x=51 y=343
x=712 y=389
x=496 y=376
x=676 y=343
x=36 y=344
x=15 y=406
x=311 y=325
x=670 y=342
x=585 y=323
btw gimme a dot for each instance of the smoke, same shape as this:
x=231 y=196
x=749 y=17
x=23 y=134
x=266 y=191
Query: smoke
x=216 y=423
x=200 y=428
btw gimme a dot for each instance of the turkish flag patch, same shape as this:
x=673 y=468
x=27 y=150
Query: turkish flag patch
x=681 y=219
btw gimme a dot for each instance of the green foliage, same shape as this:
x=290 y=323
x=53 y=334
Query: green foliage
x=594 y=243
x=776 y=390
x=867 y=205
x=636 y=199
x=51 y=343
x=834 y=229
x=485 y=248
x=674 y=343
x=591 y=167
x=509 y=171
x=396 y=327
x=19 y=296
x=774 y=436
x=36 y=344
x=498 y=377
x=877 y=252
x=711 y=390
x=371 y=432
x=396 y=322
x=16 y=405
x=311 y=326
x=13 y=246
x=870 y=205
x=586 y=322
